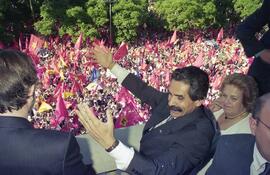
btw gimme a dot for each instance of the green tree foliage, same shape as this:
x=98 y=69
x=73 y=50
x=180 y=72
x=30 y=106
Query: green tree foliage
x=16 y=16
x=58 y=17
x=186 y=14
x=246 y=7
x=225 y=13
x=72 y=17
x=128 y=15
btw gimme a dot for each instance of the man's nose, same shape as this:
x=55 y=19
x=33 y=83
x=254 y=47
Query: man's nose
x=172 y=101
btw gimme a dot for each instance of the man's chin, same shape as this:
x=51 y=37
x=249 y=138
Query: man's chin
x=176 y=114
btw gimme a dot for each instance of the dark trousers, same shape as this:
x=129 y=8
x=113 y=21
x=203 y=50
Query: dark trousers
x=260 y=71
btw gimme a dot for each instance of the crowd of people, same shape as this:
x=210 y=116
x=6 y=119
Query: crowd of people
x=68 y=71
x=173 y=81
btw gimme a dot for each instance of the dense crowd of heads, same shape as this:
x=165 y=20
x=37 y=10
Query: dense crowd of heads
x=68 y=72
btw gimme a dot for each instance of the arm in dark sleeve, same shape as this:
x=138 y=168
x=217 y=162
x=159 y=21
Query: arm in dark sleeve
x=180 y=158
x=250 y=26
x=141 y=90
x=73 y=160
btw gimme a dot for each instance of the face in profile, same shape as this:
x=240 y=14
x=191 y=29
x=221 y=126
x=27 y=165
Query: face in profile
x=262 y=132
x=180 y=102
x=232 y=100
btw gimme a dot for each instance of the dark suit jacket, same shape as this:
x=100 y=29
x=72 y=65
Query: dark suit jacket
x=234 y=155
x=175 y=147
x=246 y=31
x=28 y=151
x=250 y=26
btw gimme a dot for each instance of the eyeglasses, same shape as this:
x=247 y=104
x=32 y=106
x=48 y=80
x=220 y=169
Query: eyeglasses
x=259 y=120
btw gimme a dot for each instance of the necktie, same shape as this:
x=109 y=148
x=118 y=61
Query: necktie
x=266 y=170
x=160 y=123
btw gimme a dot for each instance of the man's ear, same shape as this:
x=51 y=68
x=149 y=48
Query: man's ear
x=31 y=90
x=198 y=103
x=253 y=125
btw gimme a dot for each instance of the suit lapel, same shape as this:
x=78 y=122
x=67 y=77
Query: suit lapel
x=175 y=124
x=158 y=114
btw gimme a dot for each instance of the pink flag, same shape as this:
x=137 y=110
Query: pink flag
x=78 y=43
x=98 y=42
x=128 y=116
x=250 y=60
x=35 y=44
x=220 y=35
x=199 y=61
x=60 y=111
x=173 y=38
x=167 y=77
x=217 y=82
x=58 y=89
x=148 y=46
x=121 y=52
x=123 y=95
x=199 y=40
x=76 y=87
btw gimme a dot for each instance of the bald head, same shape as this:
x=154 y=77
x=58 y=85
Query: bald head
x=260 y=104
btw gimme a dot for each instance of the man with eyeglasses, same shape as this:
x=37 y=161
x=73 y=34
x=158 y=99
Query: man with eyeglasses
x=244 y=154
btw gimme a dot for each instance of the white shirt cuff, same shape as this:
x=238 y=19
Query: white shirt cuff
x=122 y=156
x=120 y=73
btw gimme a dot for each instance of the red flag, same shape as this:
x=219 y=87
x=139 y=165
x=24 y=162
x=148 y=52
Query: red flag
x=121 y=52
x=60 y=111
x=220 y=35
x=35 y=44
x=78 y=43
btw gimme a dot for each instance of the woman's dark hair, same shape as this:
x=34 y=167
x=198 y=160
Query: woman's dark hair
x=17 y=75
x=196 y=78
x=247 y=85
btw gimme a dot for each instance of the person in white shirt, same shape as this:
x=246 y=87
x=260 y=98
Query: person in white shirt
x=233 y=109
x=243 y=154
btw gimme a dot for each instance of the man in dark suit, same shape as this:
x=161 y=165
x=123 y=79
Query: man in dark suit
x=244 y=154
x=246 y=31
x=23 y=149
x=178 y=135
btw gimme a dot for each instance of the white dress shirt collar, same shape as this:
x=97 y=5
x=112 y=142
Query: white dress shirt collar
x=258 y=164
